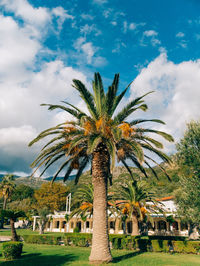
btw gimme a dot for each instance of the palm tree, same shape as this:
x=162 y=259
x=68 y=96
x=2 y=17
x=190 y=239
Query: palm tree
x=43 y=219
x=7 y=187
x=136 y=201
x=13 y=216
x=98 y=137
x=83 y=201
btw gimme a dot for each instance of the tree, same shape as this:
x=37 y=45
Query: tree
x=52 y=196
x=188 y=148
x=7 y=187
x=43 y=219
x=188 y=195
x=134 y=201
x=22 y=192
x=83 y=201
x=99 y=137
x=13 y=216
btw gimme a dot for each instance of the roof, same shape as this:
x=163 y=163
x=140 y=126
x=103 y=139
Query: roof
x=166 y=198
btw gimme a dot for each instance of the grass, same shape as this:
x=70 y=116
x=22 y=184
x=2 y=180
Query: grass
x=21 y=232
x=60 y=256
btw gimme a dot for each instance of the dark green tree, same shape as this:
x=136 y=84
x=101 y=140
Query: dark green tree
x=99 y=138
x=13 y=216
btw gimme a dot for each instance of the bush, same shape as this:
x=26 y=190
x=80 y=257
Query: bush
x=12 y=250
x=78 y=239
x=192 y=247
x=42 y=239
x=76 y=230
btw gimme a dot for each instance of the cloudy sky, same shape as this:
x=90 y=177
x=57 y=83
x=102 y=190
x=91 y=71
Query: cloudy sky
x=45 y=44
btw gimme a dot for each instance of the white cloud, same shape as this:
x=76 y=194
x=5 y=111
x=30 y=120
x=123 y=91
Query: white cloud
x=88 y=29
x=23 y=87
x=62 y=15
x=132 y=26
x=114 y=23
x=21 y=8
x=87 y=16
x=177 y=94
x=150 y=33
x=89 y=51
x=100 y=2
x=180 y=34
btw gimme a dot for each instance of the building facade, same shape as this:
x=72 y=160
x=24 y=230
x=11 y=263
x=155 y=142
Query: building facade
x=160 y=224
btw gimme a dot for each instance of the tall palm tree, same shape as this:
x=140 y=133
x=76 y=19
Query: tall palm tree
x=136 y=201
x=98 y=138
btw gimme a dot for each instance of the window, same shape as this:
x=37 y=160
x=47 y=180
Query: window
x=57 y=224
x=72 y=225
x=64 y=223
x=112 y=225
x=87 y=224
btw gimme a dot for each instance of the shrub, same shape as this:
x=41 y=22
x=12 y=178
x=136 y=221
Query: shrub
x=76 y=230
x=78 y=239
x=42 y=239
x=186 y=246
x=12 y=250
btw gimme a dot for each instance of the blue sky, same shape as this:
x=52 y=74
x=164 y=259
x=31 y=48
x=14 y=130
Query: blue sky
x=45 y=44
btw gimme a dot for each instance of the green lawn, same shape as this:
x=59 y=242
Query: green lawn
x=21 y=232
x=36 y=255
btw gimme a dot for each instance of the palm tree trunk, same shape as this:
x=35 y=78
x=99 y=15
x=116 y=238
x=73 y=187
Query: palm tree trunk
x=4 y=203
x=135 y=229
x=100 y=251
x=13 y=231
x=41 y=228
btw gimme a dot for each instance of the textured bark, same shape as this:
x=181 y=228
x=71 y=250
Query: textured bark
x=41 y=227
x=135 y=229
x=193 y=232
x=4 y=203
x=13 y=231
x=100 y=251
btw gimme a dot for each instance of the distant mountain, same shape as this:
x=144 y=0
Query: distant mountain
x=60 y=178
x=35 y=182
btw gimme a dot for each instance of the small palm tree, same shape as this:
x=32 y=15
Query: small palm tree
x=43 y=219
x=99 y=138
x=136 y=201
x=83 y=201
x=7 y=187
x=13 y=216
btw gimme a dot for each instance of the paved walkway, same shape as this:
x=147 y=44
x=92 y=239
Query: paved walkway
x=5 y=238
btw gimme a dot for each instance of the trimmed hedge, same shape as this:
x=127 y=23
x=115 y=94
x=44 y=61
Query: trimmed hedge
x=12 y=250
x=42 y=239
x=143 y=244
x=77 y=239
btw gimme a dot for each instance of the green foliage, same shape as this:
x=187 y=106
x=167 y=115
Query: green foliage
x=73 y=143
x=12 y=250
x=144 y=244
x=189 y=148
x=10 y=214
x=188 y=157
x=76 y=230
x=22 y=192
x=51 y=196
x=80 y=239
x=42 y=239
